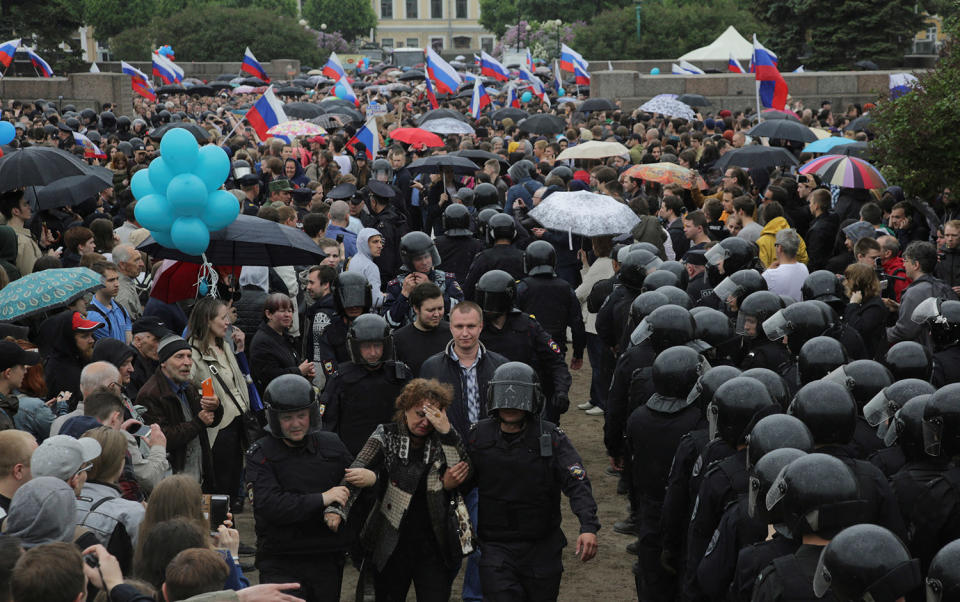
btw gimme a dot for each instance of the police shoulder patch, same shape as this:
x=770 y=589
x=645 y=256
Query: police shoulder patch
x=577 y=471
x=532 y=317
x=328 y=368
x=554 y=347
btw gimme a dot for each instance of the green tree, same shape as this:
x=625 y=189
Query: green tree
x=110 y=17
x=498 y=15
x=134 y=44
x=352 y=18
x=165 y=8
x=916 y=135
x=47 y=24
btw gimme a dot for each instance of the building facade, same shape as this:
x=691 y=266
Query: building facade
x=450 y=26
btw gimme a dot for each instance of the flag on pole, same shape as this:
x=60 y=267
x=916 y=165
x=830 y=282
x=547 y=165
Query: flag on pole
x=581 y=75
x=512 y=99
x=42 y=67
x=431 y=95
x=166 y=70
x=901 y=83
x=771 y=88
x=266 y=113
x=252 y=66
x=557 y=79
x=334 y=68
x=139 y=81
x=569 y=57
x=90 y=150
x=529 y=60
x=370 y=137
x=526 y=75
x=733 y=65
x=479 y=101
x=7 y=50
x=799 y=69
x=685 y=68
x=442 y=74
x=491 y=67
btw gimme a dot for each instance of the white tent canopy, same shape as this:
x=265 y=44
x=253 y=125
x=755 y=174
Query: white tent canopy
x=729 y=42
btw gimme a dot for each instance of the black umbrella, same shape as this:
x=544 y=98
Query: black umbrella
x=201 y=90
x=38 y=166
x=770 y=114
x=220 y=85
x=302 y=110
x=861 y=150
x=327 y=103
x=171 y=89
x=467 y=93
x=71 y=190
x=436 y=163
x=509 y=113
x=480 y=157
x=783 y=129
x=291 y=91
x=198 y=132
x=756 y=156
x=597 y=104
x=860 y=124
x=350 y=113
x=249 y=241
x=541 y=123
x=694 y=100
x=441 y=114
x=253 y=81
x=226 y=77
x=868 y=65
x=411 y=75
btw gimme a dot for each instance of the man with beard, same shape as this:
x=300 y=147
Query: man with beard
x=428 y=334
x=320 y=314
x=147 y=332
x=72 y=348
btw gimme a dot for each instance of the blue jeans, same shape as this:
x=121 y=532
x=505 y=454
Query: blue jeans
x=600 y=368
x=471 y=578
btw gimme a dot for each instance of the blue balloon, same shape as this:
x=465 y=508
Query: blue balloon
x=222 y=208
x=190 y=235
x=153 y=212
x=340 y=91
x=179 y=149
x=7 y=132
x=212 y=166
x=160 y=175
x=187 y=195
x=655 y=71
x=561 y=92
x=140 y=184
x=163 y=238
x=526 y=97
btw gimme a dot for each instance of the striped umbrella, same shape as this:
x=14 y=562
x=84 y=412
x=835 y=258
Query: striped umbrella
x=846 y=172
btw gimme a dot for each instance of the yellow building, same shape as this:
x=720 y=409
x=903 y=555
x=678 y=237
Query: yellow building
x=931 y=38
x=446 y=25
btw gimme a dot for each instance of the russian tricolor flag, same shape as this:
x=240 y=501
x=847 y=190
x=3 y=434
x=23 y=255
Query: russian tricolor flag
x=491 y=67
x=139 y=81
x=334 y=68
x=529 y=60
x=526 y=75
x=166 y=70
x=771 y=87
x=370 y=137
x=90 y=150
x=7 y=50
x=512 y=99
x=901 y=83
x=479 y=101
x=431 y=95
x=557 y=80
x=42 y=67
x=348 y=93
x=581 y=75
x=266 y=113
x=252 y=66
x=569 y=57
x=733 y=65
x=442 y=74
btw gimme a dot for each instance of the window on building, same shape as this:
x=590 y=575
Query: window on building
x=412 y=9
x=386 y=42
x=462 y=42
x=461 y=9
x=436 y=9
x=486 y=43
x=413 y=42
x=386 y=9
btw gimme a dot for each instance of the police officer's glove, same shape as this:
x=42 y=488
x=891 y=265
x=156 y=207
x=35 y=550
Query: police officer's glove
x=666 y=561
x=562 y=403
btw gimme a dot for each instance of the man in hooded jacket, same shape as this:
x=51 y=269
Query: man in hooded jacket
x=72 y=348
x=370 y=247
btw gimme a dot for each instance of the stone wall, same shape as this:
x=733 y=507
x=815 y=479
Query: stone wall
x=277 y=69
x=83 y=90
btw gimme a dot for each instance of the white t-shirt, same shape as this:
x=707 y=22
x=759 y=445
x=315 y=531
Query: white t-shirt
x=787 y=279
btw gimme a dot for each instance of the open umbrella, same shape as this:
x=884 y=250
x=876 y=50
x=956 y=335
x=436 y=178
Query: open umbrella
x=541 y=123
x=860 y=124
x=170 y=89
x=71 y=190
x=480 y=157
x=253 y=81
x=46 y=290
x=509 y=113
x=826 y=145
x=584 y=213
x=846 y=172
x=201 y=90
x=756 y=156
x=768 y=114
x=291 y=91
x=411 y=75
x=597 y=104
x=441 y=114
x=332 y=101
x=593 y=149
x=446 y=125
x=220 y=85
x=198 y=132
x=331 y=121
x=38 y=166
x=670 y=107
x=667 y=173
x=694 y=100
x=416 y=136
x=296 y=127
x=436 y=163
x=860 y=150
x=783 y=129
x=302 y=110
x=349 y=113
x=248 y=240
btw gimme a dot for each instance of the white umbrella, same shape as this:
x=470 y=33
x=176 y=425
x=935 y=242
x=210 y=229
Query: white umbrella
x=669 y=107
x=594 y=149
x=446 y=125
x=584 y=213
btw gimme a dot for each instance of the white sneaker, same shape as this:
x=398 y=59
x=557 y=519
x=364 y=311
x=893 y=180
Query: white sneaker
x=594 y=412
x=585 y=406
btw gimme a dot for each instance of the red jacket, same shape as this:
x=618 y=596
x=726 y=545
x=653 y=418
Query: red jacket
x=894 y=267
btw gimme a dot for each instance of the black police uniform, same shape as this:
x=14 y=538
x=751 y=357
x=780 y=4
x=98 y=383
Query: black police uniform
x=698 y=288
x=457 y=253
x=865 y=441
x=752 y=559
x=613 y=315
x=286 y=485
x=791 y=578
x=935 y=519
x=888 y=459
x=632 y=384
x=523 y=339
x=556 y=307
x=498 y=257
x=519 y=507
x=945 y=364
x=396 y=307
x=761 y=352
x=677 y=501
x=392 y=225
x=736 y=530
x=331 y=348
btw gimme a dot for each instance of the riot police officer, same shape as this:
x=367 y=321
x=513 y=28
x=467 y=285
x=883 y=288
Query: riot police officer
x=457 y=245
x=634 y=267
x=909 y=359
x=943 y=578
x=818 y=357
x=353 y=297
x=293 y=475
x=520 y=338
x=942 y=317
x=521 y=463
x=727 y=257
x=501 y=255
x=420 y=260
x=866 y=562
x=736 y=287
x=863 y=379
x=757 y=350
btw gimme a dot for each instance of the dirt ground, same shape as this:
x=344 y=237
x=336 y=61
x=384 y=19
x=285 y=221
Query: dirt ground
x=608 y=576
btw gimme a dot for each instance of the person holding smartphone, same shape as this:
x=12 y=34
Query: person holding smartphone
x=865 y=313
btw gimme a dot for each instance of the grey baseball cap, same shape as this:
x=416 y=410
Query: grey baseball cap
x=61 y=456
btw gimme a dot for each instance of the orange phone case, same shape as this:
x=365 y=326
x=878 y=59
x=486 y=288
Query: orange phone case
x=207 y=387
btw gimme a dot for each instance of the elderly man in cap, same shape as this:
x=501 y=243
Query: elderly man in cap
x=695 y=261
x=250 y=185
x=280 y=191
x=65 y=458
x=147 y=332
x=174 y=403
x=338 y=229
x=13 y=367
x=389 y=222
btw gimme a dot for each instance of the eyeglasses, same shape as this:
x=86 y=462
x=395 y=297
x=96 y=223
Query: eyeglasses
x=84 y=468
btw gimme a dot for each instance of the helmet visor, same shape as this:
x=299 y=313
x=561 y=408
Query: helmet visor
x=933 y=435
x=641 y=333
x=726 y=289
x=696 y=391
x=753 y=494
x=713 y=417
x=747 y=325
x=652 y=265
x=776 y=326
x=777 y=491
x=821 y=577
x=716 y=254
x=927 y=310
x=893 y=431
x=839 y=376
x=879 y=409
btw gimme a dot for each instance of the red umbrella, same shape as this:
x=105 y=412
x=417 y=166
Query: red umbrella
x=416 y=136
x=177 y=280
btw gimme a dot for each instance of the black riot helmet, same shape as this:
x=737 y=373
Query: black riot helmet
x=501 y=227
x=763 y=474
x=369 y=328
x=828 y=411
x=941 y=422
x=381 y=169
x=866 y=562
x=776 y=385
x=676 y=296
x=483 y=219
x=416 y=244
x=678 y=270
x=540 y=258
x=658 y=279
x=738 y=286
x=822 y=285
x=73 y=123
x=484 y=195
x=352 y=289
x=754 y=310
x=514 y=385
x=891 y=398
x=801 y=321
x=644 y=303
x=675 y=372
x=908 y=359
x=830 y=315
x=108 y=121
x=942 y=317
x=89 y=117
x=635 y=267
x=289 y=393
x=777 y=431
x=863 y=378
x=729 y=256
x=906 y=428
x=818 y=357
x=563 y=172
x=496 y=292
x=734 y=406
x=943 y=577
x=666 y=327
x=456 y=221
x=645 y=246
x=703 y=390
x=123 y=123
x=819 y=495
x=712 y=327
x=126 y=148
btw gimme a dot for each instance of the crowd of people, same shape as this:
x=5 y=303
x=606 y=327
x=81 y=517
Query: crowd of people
x=769 y=363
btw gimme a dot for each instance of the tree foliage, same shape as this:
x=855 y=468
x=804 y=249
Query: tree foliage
x=110 y=17
x=498 y=15
x=47 y=24
x=352 y=18
x=543 y=39
x=916 y=133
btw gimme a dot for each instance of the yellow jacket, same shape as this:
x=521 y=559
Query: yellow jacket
x=768 y=237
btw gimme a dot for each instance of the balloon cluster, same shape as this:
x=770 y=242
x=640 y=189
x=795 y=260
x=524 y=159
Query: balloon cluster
x=166 y=51
x=7 y=132
x=178 y=197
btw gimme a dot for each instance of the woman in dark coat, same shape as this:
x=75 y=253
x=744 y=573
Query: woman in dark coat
x=272 y=352
x=865 y=312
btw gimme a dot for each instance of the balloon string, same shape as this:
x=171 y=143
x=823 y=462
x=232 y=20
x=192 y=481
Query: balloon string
x=206 y=269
